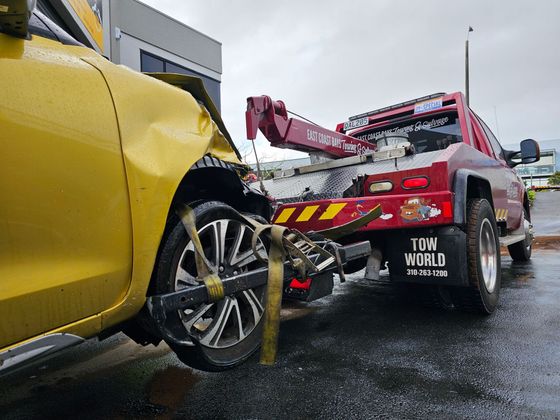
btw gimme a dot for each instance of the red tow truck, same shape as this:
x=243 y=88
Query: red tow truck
x=447 y=189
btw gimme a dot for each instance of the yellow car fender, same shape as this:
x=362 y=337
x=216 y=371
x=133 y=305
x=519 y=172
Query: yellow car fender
x=164 y=131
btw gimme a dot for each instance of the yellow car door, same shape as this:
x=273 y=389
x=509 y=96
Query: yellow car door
x=65 y=229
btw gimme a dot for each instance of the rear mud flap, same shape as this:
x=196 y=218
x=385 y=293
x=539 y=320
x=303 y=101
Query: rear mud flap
x=429 y=256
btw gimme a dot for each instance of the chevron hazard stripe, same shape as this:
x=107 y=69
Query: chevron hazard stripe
x=329 y=212
x=501 y=214
x=285 y=215
x=332 y=211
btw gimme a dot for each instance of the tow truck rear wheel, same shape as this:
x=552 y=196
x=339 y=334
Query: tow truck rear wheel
x=219 y=335
x=521 y=251
x=483 y=261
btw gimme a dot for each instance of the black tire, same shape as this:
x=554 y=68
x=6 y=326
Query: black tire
x=214 y=340
x=521 y=251
x=483 y=261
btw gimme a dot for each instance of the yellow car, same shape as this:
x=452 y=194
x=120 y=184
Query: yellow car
x=95 y=158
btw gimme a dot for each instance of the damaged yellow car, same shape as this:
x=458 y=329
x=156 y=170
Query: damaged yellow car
x=95 y=160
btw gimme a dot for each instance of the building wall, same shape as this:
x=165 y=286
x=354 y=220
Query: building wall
x=137 y=29
x=131 y=29
x=537 y=174
x=143 y=22
x=142 y=56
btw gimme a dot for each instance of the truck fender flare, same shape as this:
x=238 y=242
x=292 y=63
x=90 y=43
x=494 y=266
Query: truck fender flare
x=461 y=189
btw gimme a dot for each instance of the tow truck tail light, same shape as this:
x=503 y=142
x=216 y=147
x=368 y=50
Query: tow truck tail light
x=416 y=182
x=447 y=209
x=382 y=186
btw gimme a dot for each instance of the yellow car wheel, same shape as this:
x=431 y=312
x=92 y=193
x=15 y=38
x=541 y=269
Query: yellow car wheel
x=214 y=336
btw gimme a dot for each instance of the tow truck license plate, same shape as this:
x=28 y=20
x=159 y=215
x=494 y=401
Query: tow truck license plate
x=360 y=122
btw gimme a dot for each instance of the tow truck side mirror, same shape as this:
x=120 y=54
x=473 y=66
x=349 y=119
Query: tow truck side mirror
x=14 y=16
x=530 y=151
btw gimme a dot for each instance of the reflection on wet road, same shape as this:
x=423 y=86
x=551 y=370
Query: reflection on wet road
x=360 y=353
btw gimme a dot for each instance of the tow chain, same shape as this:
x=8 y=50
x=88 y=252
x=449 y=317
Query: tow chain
x=284 y=244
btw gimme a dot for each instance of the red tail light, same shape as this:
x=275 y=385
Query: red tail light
x=447 y=209
x=297 y=284
x=415 y=182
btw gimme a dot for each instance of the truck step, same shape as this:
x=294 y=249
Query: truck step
x=511 y=239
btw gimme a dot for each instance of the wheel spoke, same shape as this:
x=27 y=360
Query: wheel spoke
x=191 y=319
x=214 y=332
x=256 y=307
x=215 y=243
x=235 y=249
x=223 y=237
x=261 y=250
x=219 y=235
x=241 y=259
x=244 y=258
x=238 y=320
x=184 y=278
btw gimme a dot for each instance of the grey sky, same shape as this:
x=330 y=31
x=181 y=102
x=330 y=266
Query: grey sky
x=331 y=59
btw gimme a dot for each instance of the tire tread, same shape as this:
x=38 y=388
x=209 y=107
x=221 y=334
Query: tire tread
x=469 y=299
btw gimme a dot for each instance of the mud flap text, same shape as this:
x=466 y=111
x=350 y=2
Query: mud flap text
x=432 y=256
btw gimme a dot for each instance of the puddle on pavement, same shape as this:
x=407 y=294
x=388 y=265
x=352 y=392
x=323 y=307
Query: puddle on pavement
x=168 y=389
x=517 y=275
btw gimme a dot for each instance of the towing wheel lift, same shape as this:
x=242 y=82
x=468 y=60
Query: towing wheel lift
x=292 y=258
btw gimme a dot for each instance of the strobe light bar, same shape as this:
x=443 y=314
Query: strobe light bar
x=388 y=108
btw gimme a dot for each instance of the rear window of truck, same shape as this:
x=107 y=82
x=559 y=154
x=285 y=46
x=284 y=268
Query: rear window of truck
x=427 y=134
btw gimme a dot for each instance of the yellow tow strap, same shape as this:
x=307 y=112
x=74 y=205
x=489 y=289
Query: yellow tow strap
x=214 y=287
x=189 y=222
x=273 y=296
x=351 y=227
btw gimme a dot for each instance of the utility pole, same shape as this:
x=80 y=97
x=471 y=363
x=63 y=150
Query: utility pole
x=467 y=65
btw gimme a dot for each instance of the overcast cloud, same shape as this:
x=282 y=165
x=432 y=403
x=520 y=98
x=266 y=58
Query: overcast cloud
x=331 y=59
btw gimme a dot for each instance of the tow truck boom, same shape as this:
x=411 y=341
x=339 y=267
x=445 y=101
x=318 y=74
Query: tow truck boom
x=271 y=117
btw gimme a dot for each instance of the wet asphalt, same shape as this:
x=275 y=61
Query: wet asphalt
x=545 y=214
x=363 y=352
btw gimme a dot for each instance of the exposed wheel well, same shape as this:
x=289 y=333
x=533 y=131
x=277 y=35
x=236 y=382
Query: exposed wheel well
x=468 y=185
x=211 y=179
x=479 y=188
x=224 y=185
